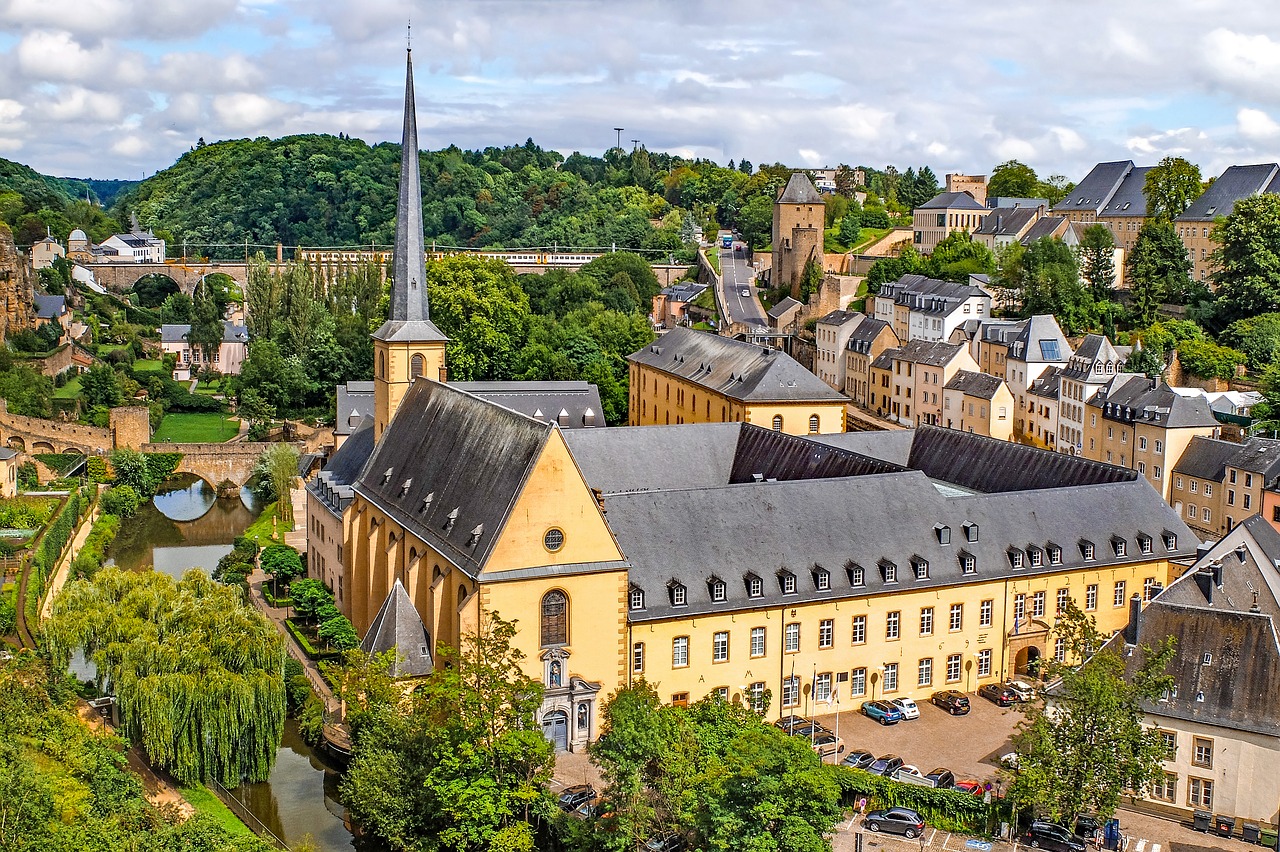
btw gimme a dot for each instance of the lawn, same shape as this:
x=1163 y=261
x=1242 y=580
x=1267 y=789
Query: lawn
x=260 y=530
x=205 y=802
x=209 y=390
x=200 y=428
x=70 y=390
x=149 y=365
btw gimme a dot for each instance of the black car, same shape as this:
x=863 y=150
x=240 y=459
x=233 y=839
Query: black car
x=1048 y=835
x=888 y=765
x=859 y=759
x=998 y=694
x=797 y=725
x=942 y=778
x=572 y=798
x=955 y=703
x=902 y=821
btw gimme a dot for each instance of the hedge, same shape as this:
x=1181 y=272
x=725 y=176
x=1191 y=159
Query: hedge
x=94 y=551
x=45 y=558
x=272 y=600
x=59 y=463
x=305 y=643
x=949 y=810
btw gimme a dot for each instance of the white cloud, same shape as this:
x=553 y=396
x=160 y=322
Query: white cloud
x=246 y=111
x=1237 y=59
x=1010 y=148
x=1256 y=124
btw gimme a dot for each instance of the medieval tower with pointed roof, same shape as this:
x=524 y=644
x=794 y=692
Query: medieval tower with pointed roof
x=408 y=344
x=799 y=216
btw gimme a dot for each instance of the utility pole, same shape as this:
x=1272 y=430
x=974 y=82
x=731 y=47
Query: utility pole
x=619 y=131
x=635 y=143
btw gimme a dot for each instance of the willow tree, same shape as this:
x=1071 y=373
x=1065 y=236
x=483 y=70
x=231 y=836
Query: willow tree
x=197 y=674
x=280 y=463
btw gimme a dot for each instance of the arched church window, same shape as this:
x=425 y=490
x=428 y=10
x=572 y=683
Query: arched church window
x=416 y=365
x=555 y=618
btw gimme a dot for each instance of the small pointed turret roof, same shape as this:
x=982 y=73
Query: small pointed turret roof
x=410 y=318
x=800 y=190
x=398 y=627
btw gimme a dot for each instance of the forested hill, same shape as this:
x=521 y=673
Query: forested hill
x=321 y=190
x=33 y=205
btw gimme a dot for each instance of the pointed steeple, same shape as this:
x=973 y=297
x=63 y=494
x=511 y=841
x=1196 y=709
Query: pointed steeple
x=409 y=296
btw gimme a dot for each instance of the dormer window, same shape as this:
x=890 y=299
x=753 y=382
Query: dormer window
x=889 y=571
x=1015 y=558
x=787 y=582
x=426 y=502
x=1035 y=556
x=1119 y=545
x=968 y=563
x=970 y=532
x=679 y=594
x=386 y=476
x=1086 y=550
x=857 y=574
x=1055 y=554
x=635 y=598
x=1144 y=544
x=920 y=567
x=404 y=487
x=821 y=578
x=755 y=586
x=1170 y=541
x=943 y=532
x=717 y=589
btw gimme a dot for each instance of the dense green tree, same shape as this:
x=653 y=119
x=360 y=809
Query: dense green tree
x=1088 y=745
x=278 y=381
x=466 y=767
x=1158 y=270
x=122 y=501
x=958 y=256
x=1170 y=187
x=177 y=308
x=27 y=391
x=1257 y=337
x=1050 y=284
x=1012 y=179
x=152 y=290
x=281 y=563
x=339 y=634
x=1248 y=260
x=206 y=321
x=755 y=221
x=479 y=305
x=101 y=386
x=1097 y=260
x=214 y=711
x=906 y=262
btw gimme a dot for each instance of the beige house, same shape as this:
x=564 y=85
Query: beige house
x=1195 y=225
x=226 y=359
x=978 y=403
x=1094 y=363
x=869 y=340
x=1218 y=483
x=942 y=214
x=911 y=379
x=1126 y=210
x=1037 y=345
x=1006 y=225
x=8 y=472
x=1040 y=416
x=831 y=337
x=45 y=252
x=1219 y=722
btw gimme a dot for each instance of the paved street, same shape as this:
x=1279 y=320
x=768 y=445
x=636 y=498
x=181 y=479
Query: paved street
x=736 y=274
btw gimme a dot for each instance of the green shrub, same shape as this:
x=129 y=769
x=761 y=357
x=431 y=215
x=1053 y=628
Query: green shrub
x=121 y=501
x=311 y=720
x=949 y=810
x=94 y=552
x=26 y=513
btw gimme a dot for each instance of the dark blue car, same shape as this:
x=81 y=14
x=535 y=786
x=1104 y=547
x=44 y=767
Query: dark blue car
x=882 y=711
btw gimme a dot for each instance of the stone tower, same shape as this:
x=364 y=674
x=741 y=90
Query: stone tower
x=17 y=299
x=799 y=216
x=408 y=344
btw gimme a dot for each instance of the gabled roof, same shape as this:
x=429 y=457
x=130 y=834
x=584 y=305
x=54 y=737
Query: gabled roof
x=1132 y=398
x=1040 y=341
x=787 y=304
x=1047 y=384
x=800 y=190
x=1206 y=458
x=177 y=332
x=931 y=353
x=1096 y=189
x=952 y=201
x=736 y=369
x=571 y=405
x=865 y=333
x=470 y=457
x=969 y=383
x=50 y=307
x=1236 y=182
x=1089 y=361
x=1047 y=226
x=838 y=318
x=398 y=627
x=354 y=402
x=1129 y=198
x=1007 y=221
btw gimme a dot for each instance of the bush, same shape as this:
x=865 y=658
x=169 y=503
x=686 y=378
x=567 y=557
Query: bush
x=309 y=597
x=949 y=810
x=26 y=513
x=338 y=633
x=97 y=469
x=52 y=543
x=121 y=501
x=94 y=552
x=28 y=476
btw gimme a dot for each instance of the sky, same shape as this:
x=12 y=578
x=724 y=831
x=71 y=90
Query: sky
x=121 y=88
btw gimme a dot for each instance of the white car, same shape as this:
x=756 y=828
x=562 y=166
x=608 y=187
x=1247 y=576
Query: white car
x=746 y=292
x=908 y=707
x=1024 y=690
x=909 y=773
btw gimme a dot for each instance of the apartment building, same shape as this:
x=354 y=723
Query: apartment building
x=1195 y=225
x=831 y=338
x=942 y=214
x=978 y=403
x=1216 y=483
x=1091 y=366
x=1005 y=225
x=923 y=308
x=1041 y=412
x=909 y=380
x=1090 y=197
x=1036 y=346
x=868 y=341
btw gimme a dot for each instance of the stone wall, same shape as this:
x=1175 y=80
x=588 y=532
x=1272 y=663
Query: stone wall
x=17 y=299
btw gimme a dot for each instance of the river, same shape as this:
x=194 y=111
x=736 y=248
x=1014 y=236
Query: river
x=187 y=526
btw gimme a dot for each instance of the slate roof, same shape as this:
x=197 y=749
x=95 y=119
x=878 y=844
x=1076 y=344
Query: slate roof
x=1129 y=198
x=1209 y=458
x=952 y=201
x=929 y=295
x=354 y=402
x=177 y=332
x=1128 y=398
x=865 y=334
x=783 y=306
x=891 y=445
x=572 y=405
x=1235 y=183
x=1047 y=384
x=931 y=353
x=437 y=444
x=398 y=627
x=50 y=307
x=685 y=291
x=1040 y=341
x=641 y=458
x=1047 y=226
x=736 y=369
x=1097 y=187
x=333 y=484
x=1235 y=687
x=1012 y=201
x=1095 y=349
x=969 y=383
x=1007 y=221
x=839 y=318
x=800 y=190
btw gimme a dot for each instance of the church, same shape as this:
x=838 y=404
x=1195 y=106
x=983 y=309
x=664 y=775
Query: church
x=785 y=571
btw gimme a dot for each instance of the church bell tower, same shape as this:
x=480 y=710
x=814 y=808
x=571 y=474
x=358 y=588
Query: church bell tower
x=408 y=344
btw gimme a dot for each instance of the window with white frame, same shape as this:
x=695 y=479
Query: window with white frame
x=680 y=652
x=1117 y=595
x=892 y=624
x=953 y=668
x=858 y=682
x=984 y=663
x=1060 y=650
x=790 y=691
x=637 y=598
x=720 y=647
x=756 y=691
x=1148 y=588
x=791 y=638
x=1061 y=602
x=637 y=657
x=924 y=672
x=956 y=617
x=968 y=563
x=1037 y=605
x=1055 y=554
x=1019 y=607
x=859 y=630
x=757 y=641
x=1015 y=558
x=926 y=621
x=787 y=582
x=985 y=610
x=890 y=677
x=857 y=575
x=679 y=595
x=1091 y=597
x=718 y=591
x=826 y=633
x=1199 y=793
x=822 y=687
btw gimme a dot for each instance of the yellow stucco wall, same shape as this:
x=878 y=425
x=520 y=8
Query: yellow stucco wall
x=392 y=367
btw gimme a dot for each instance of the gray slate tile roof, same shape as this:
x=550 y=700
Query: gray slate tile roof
x=1047 y=384
x=333 y=484
x=1096 y=189
x=1048 y=226
x=1006 y=221
x=1129 y=198
x=685 y=291
x=1209 y=458
x=839 y=318
x=354 y=402
x=979 y=385
x=398 y=627
x=783 y=306
x=736 y=369
x=177 y=332
x=952 y=201
x=1040 y=341
x=1130 y=398
x=800 y=190
x=572 y=405
x=50 y=307
x=891 y=445
x=1090 y=360
x=1235 y=183
x=865 y=334
x=931 y=353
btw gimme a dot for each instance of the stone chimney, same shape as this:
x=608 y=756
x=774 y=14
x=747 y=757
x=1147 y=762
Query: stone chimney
x=1135 y=620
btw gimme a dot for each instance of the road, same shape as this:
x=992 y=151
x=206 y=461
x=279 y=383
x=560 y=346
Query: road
x=736 y=274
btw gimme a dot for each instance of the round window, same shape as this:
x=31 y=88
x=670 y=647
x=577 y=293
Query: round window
x=553 y=540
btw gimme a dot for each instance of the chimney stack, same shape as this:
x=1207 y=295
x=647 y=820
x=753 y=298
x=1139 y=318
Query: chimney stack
x=1135 y=619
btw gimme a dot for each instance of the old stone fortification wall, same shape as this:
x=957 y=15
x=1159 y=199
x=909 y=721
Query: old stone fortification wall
x=17 y=299
x=25 y=432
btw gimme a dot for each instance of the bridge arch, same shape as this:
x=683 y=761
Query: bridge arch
x=15 y=442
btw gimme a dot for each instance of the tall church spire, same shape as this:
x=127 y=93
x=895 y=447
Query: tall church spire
x=409 y=294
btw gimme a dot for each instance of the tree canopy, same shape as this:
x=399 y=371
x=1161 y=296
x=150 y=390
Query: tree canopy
x=1248 y=260
x=1170 y=187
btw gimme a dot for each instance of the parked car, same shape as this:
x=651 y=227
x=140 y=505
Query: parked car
x=859 y=759
x=882 y=712
x=902 y=821
x=887 y=765
x=973 y=788
x=827 y=744
x=998 y=694
x=1051 y=836
x=955 y=703
x=572 y=798
x=792 y=724
x=942 y=778
x=595 y=808
x=1010 y=760
x=907 y=706
x=1086 y=825
x=664 y=843
x=1022 y=689
x=907 y=772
